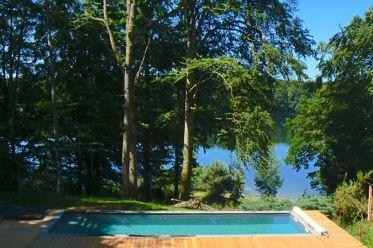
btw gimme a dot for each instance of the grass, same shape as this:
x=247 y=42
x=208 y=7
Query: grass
x=51 y=201
x=363 y=231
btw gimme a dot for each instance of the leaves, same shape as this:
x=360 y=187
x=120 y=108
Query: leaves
x=333 y=128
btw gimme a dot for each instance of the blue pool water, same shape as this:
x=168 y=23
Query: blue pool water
x=82 y=223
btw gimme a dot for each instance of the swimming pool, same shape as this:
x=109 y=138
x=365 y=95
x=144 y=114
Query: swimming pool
x=178 y=224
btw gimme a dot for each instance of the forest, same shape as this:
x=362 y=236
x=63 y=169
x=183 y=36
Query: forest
x=113 y=98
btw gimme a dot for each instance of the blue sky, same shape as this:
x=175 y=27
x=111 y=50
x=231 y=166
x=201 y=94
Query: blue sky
x=324 y=18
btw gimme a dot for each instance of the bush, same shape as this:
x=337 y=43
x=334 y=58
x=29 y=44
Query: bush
x=350 y=201
x=111 y=188
x=222 y=184
x=322 y=203
x=265 y=203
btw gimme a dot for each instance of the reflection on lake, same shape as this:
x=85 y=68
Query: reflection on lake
x=295 y=182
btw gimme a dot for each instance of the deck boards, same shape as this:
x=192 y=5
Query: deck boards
x=15 y=234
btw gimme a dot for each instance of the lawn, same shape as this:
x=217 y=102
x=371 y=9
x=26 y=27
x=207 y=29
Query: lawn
x=86 y=202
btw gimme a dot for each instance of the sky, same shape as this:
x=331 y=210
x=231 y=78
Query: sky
x=324 y=18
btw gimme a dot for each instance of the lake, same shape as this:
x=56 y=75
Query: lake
x=294 y=182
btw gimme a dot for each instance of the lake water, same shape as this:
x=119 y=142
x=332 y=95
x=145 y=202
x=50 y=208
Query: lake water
x=294 y=182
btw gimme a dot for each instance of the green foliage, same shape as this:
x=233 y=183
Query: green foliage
x=267 y=177
x=334 y=127
x=363 y=231
x=253 y=136
x=265 y=204
x=350 y=201
x=233 y=105
x=222 y=184
x=286 y=95
x=111 y=188
x=322 y=203
x=315 y=202
x=235 y=97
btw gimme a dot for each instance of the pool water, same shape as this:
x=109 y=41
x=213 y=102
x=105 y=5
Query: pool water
x=83 y=223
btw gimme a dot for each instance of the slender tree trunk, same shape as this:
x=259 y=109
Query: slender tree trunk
x=125 y=144
x=129 y=97
x=189 y=107
x=177 y=169
x=129 y=156
x=147 y=171
x=12 y=112
x=79 y=164
x=52 y=80
x=15 y=97
x=12 y=139
x=186 y=173
x=177 y=148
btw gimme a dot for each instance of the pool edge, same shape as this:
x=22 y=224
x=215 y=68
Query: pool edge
x=310 y=230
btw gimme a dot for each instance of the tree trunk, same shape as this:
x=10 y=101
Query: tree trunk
x=12 y=139
x=147 y=171
x=52 y=80
x=177 y=169
x=186 y=173
x=129 y=156
x=80 y=168
x=129 y=97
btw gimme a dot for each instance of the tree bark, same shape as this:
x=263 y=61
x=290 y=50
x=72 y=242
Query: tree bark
x=189 y=107
x=147 y=169
x=129 y=155
x=186 y=173
x=177 y=151
x=52 y=80
x=129 y=98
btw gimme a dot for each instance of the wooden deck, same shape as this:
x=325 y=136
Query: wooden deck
x=15 y=234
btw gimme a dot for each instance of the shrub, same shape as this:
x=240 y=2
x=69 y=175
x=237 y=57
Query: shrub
x=222 y=184
x=322 y=203
x=265 y=203
x=111 y=188
x=350 y=201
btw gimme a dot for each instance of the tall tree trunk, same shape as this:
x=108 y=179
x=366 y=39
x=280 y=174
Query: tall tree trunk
x=189 y=107
x=129 y=156
x=129 y=97
x=12 y=107
x=177 y=148
x=186 y=173
x=52 y=80
x=147 y=170
x=80 y=168
x=12 y=139
x=177 y=169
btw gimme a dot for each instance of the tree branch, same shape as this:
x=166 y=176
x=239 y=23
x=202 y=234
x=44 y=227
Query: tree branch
x=112 y=37
x=142 y=60
x=203 y=81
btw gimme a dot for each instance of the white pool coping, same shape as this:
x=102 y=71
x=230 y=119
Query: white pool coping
x=311 y=227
